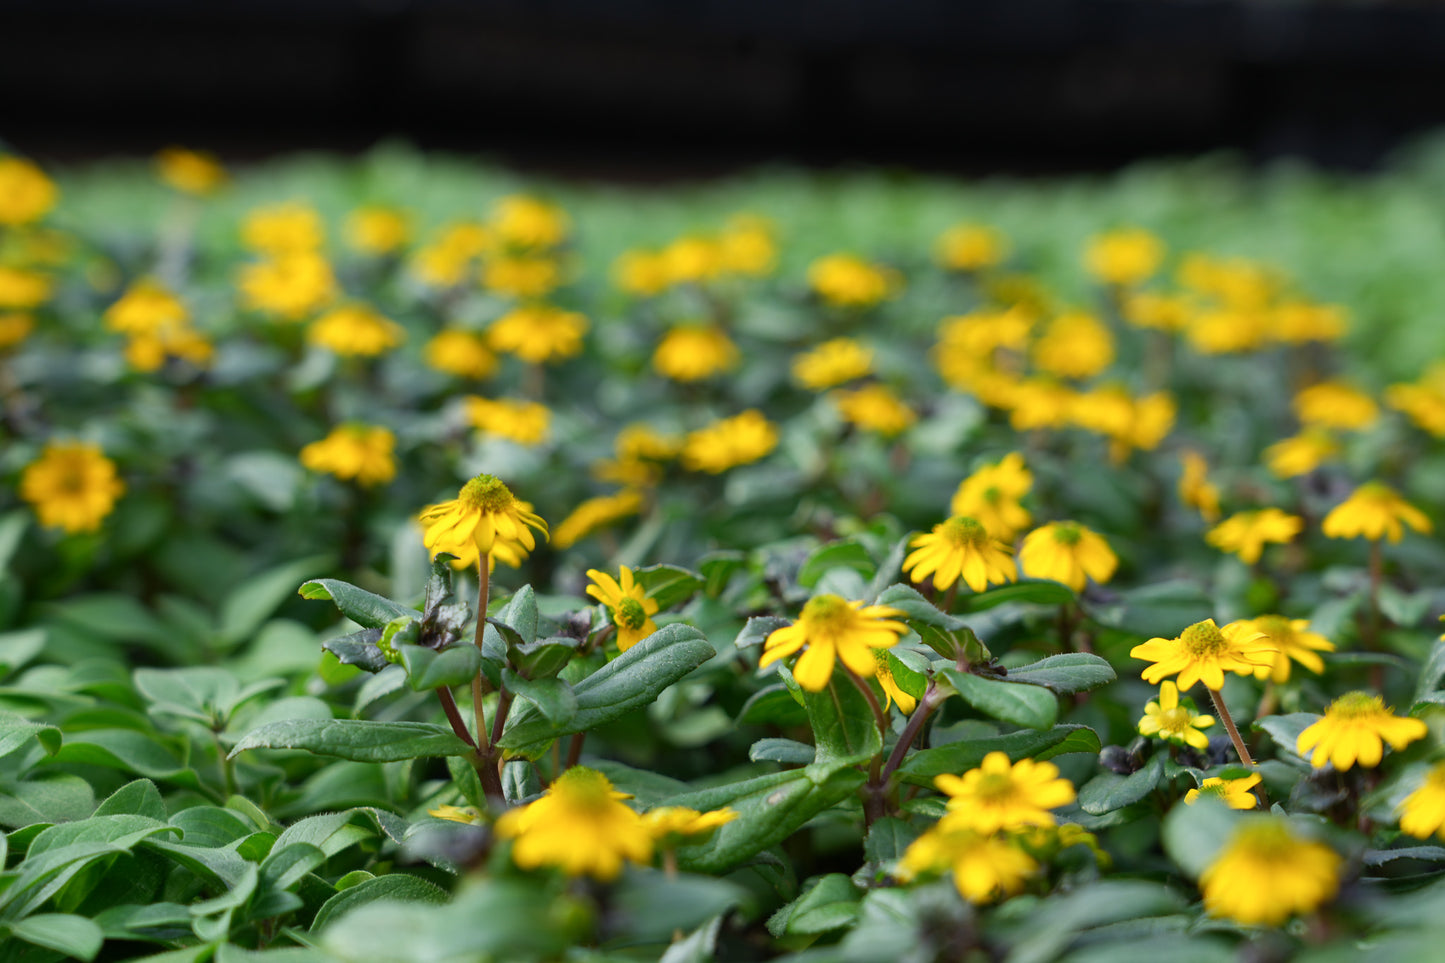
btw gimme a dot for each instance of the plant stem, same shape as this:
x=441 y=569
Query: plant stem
x=454 y=716
x=947 y=607
x=1228 y=720
x=925 y=708
x=867 y=690
x=484 y=586
x=574 y=749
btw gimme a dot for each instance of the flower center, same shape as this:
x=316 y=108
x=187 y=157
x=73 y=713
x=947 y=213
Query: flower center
x=486 y=493
x=961 y=531
x=828 y=613
x=1275 y=627
x=629 y=614
x=992 y=495
x=996 y=787
x=1266 y=840
x=1204 y=639
x=583 y=788
x=1175 y=720
x=1067 y=533
x=1353 y=705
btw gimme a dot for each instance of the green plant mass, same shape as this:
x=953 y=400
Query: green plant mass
x=404 y=561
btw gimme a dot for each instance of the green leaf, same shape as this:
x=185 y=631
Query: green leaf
x=630 y=681
x=359 y=740
x=758 y=628
x=1033 y=593
x=668 y=585
x=1433 y=671
x=1163 y=609
x=844 y=729
x=921 y=767
x=360 y=606
x=49 y=797
x=428 y=669
x=543 y=658
x=831 y=903
x=650 y=906
x=285 y=866
x=1285 y=730
x=917 y=609
x=887 y=839
x=256 y=599
x=18 y=648
x=393 y=887
x=1194 y=834
x=17 y=731
x=128 y=751
x=553 y=697
x=140 y=797
x=717 y=570
x=782 y=750
x=1024 y=705
x=770 y=809
x=358 y=649
x=1109 y=791
x=773 y=705
x=12 y=528
x=520 y=613
x=700 y=946
x=75 y=936
x=1070 y=672
x=846 y=554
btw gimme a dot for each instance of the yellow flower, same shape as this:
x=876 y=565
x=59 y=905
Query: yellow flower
x=1354 y=729
x=192 y=172
x=1292 y=640
x=580 y=826
x=525 y=422
x=1301 y=454
x=1227 y=330
x=891 y=692
x=983 y=332
x=1195 y=488
x=354 y=452
x=149 y=351
x=693 y=352
x=992 y=493
x=627 y=600
x=640 y=272
x=1236 y=282
x=1374 y=511
x=832 y=363
x=458 y=814
x=747 y=247
x=1041 y=403
x=1160 y=312
x=524 y=221
x=1334 y=404
x=999 y=795
x=72 y=486
x=1424 y=404
x=484 y=512
x=1204 y=651
x=377 y=230
x=1068 y=552
x=1297 y=322
x=1266 y=873
x=1245 y=533
x=26 y=194
x=146 y=307
x=691 y=260
x=1235 y=793
x=833 y=628
x=874 y=407
x=538 y=333
x=291 y=286
x=1423 y=811
x=1127 y=421
x=14 y=328
x=970 y=247
x=641 y=441
x=960 y=547
x=446 y=261
x=739 y=440
x=281 y=229
x=1173 y=722
x=672 y=821
x=22 y=289
x=1074 y=345
x=848 y=281
x=356 y=330
x=1125 y=256
x=461 y=353
x=984 y=867
x=593 y=514
x=522 y=276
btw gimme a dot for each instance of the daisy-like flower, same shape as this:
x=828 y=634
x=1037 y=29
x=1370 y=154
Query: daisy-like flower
x=354 y=452
x=525 y=422
x=461 y=353
x=1245 y=533
x=724 y=444
x=522 y=276
x=874 y=407
x=891 y=692
x=1074 y=345
x=1293 y=641
x=1068 y=552
x=1195 y=488
x=834 y=628
x=356 y=330
x=1266 y=873
x=1300 y=454
x=593 y=514
x=848 y=281
x=992 y=495
x=290 y=286
x=26 y=193
x=832 y=363
x=484 y=513
x=525 y=221
x=1167 y=719
x=579 y=826
x=470 y=815
x=146 y=307
x=377 y=231
x=692 y=352
x=1204 y=651
x=14 y=328
x=538 y=333
x=627 y=601
x=193 y=172
x=1235 y=793
x=1422 y=813
x=1374 y=511
x=970 y=247
x=1125 y=256
x=281 y=229
x=667 y=822
x=984 y=867
x=72 y=486
x=960 y=547
x=1002 y=795
x=23 y=289
x=1354 y=729
x=1334 y=404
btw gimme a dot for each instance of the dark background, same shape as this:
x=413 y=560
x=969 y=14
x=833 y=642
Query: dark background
x=656 y=88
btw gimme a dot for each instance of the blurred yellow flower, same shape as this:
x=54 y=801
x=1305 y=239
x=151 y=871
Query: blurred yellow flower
x=354 y=452
x=1300 y=454
x=469 y=815
x=960 y=548
x=1128 y=422
x=1235 y=282
x=692 y=259
x=377 y=230
x=23 y=289
x=1160 y=312
x=26 y=193
x=1292 y=641
x=1422 y=402
x=1227 y=330
x=14 y=328
x=992 y=494
x=192 y=172
x=1234 y=793
x=730 y=442
x=150 y=350
x=1195 y=488
x=1172 y=721
x=970 y=247
x=1334 y=404
x=594 y=513
x=981 y=333
x=747 y=247
x=1068 y=552
x=1354 y=729
x=356 y=330
x=1074 y=345
x=446 y=261
x=891 y=692
x=529 y=222
x=1266 y=873
x=519 y=276
x=71 y=486
x=1041 y=403
x=525 y=422
x=484 y=512
x=1204 y=652
x=579 y=826
x=281 y=229
x=1000 y=795
x=985 y=867
x=833 y=628
x=640 y=272
x=1124 y=256
x=628 y=604
x=874 y=407
x=538 y=333
x=462 y=353
x=694 y=352
x=291 y=286
x=671 y=821
x=1423 y=811
x=848 y=281
x=146 y=307
x=1374 y=511
x=832 y=363
x=1299 y=322
x=1245 y=533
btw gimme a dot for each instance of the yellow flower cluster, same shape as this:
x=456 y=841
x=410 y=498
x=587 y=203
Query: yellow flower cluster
x=354 y=452
x=525 y=422
x=355 y=330
x=595 y=513
x=730 y=442
x=157 y=327
x=26 y=193
x=849 y=281
x=745 y=248
x=538 y=333
x=694 y=352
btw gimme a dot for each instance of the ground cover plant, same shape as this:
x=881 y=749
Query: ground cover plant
x=402 y=561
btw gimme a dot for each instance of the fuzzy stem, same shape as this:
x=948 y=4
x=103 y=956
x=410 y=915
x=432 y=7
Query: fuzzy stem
x=454 y=716
x=1218 y=698
x=1372 y=628
x=925 y=707
x=878 y=715
x=484 y=586
x=574 y=749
